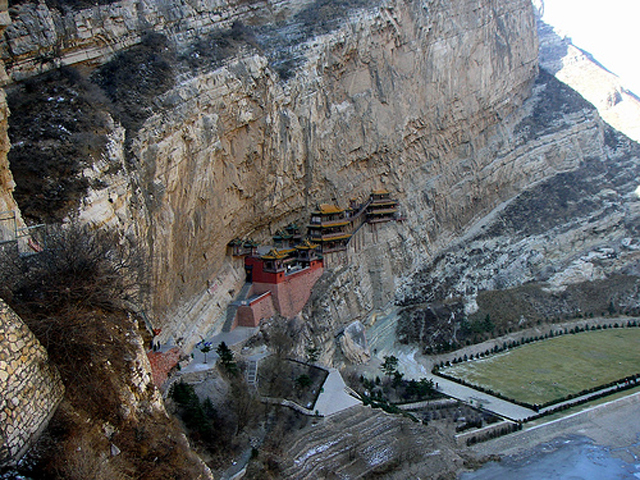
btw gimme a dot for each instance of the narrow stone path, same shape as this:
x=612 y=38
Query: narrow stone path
x=482 y=400
x=232 y=309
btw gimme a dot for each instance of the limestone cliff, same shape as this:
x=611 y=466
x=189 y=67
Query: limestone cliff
x=405 y=95
x=7 y=203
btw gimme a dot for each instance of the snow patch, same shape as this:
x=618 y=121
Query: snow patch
x=314 y=451
x=378 y=454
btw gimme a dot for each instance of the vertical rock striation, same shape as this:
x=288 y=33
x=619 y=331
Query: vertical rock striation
x=7 y=185
x=389 y=97
x=334 y=102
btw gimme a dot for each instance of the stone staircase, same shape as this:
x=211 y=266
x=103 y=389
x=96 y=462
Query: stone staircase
x=232 y=309
x=252 y=372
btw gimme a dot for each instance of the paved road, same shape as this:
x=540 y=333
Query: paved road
x=334 y=397
x=413 y=365
x=198 y=363
x=482 y=400
x=614 y=424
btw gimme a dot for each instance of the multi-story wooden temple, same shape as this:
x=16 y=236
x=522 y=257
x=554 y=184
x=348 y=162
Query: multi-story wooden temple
x=288 y=237
x=281 y=276
x=381 y=208
x=330 y=228
x=281 y=282
x=242 y=248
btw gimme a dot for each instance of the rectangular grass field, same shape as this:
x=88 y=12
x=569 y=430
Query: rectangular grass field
x=548 y=370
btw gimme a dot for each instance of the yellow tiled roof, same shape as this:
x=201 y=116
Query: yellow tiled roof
x=307 y=245
x=326 y=208
x=274 y=254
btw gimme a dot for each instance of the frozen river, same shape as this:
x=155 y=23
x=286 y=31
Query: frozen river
x=570 y=458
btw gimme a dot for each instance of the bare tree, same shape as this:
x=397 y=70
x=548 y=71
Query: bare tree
x=280 y=338
x=79 y=268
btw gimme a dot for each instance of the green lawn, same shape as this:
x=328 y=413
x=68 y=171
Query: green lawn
x=552 y=369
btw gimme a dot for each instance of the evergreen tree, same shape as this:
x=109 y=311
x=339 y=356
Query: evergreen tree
x=390 y=365
x=226 y=358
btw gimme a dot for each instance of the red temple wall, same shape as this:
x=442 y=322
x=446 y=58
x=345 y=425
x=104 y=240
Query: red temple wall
x=162 y=363
x=250 y=315
x=291 y=295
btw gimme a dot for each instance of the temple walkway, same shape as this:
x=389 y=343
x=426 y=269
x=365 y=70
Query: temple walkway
x=232 y=308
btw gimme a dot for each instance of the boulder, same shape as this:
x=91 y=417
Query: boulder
x=353 y=343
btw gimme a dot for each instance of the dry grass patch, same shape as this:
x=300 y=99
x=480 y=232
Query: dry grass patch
x=556 y=368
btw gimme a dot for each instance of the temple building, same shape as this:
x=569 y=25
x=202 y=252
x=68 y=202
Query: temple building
x=288 y=237
x=329 y=227
x=382 y=208
x=307 y=253
x=280 y=282
x=280 y=277
x=241 y=248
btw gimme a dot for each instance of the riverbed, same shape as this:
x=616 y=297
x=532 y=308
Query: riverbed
x=573 y=457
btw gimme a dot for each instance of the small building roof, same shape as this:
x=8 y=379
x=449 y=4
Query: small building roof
x=380 y=192
x=327 y=208
x=282 y=234
x=385 y=211
x=336 y=238
x=329 y=224
x=274 y=254
x=307 y=245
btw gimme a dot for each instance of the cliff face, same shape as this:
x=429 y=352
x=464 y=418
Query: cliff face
x=401 y=95
x=7 y=202
x=554 y=134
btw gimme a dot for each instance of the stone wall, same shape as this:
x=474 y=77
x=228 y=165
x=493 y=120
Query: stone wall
x=30 y=387
x=251 y=314
x=292 y=295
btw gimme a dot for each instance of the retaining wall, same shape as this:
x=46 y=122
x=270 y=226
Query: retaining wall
x=290 y=296
x=30 y=388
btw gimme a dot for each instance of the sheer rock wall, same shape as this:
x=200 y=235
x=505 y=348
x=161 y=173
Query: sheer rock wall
x=7 y=203
x=406 y=96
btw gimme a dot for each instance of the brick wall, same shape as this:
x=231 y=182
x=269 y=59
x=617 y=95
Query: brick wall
x=250 y=315
x=161 y=364
x=290 y=296
x=30 y=388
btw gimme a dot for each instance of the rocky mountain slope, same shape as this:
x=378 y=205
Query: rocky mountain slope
x=617 y=105
x=231 y=121
x=566 y=247
x=299 y=103
x=183 y=125
x=362 y=443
